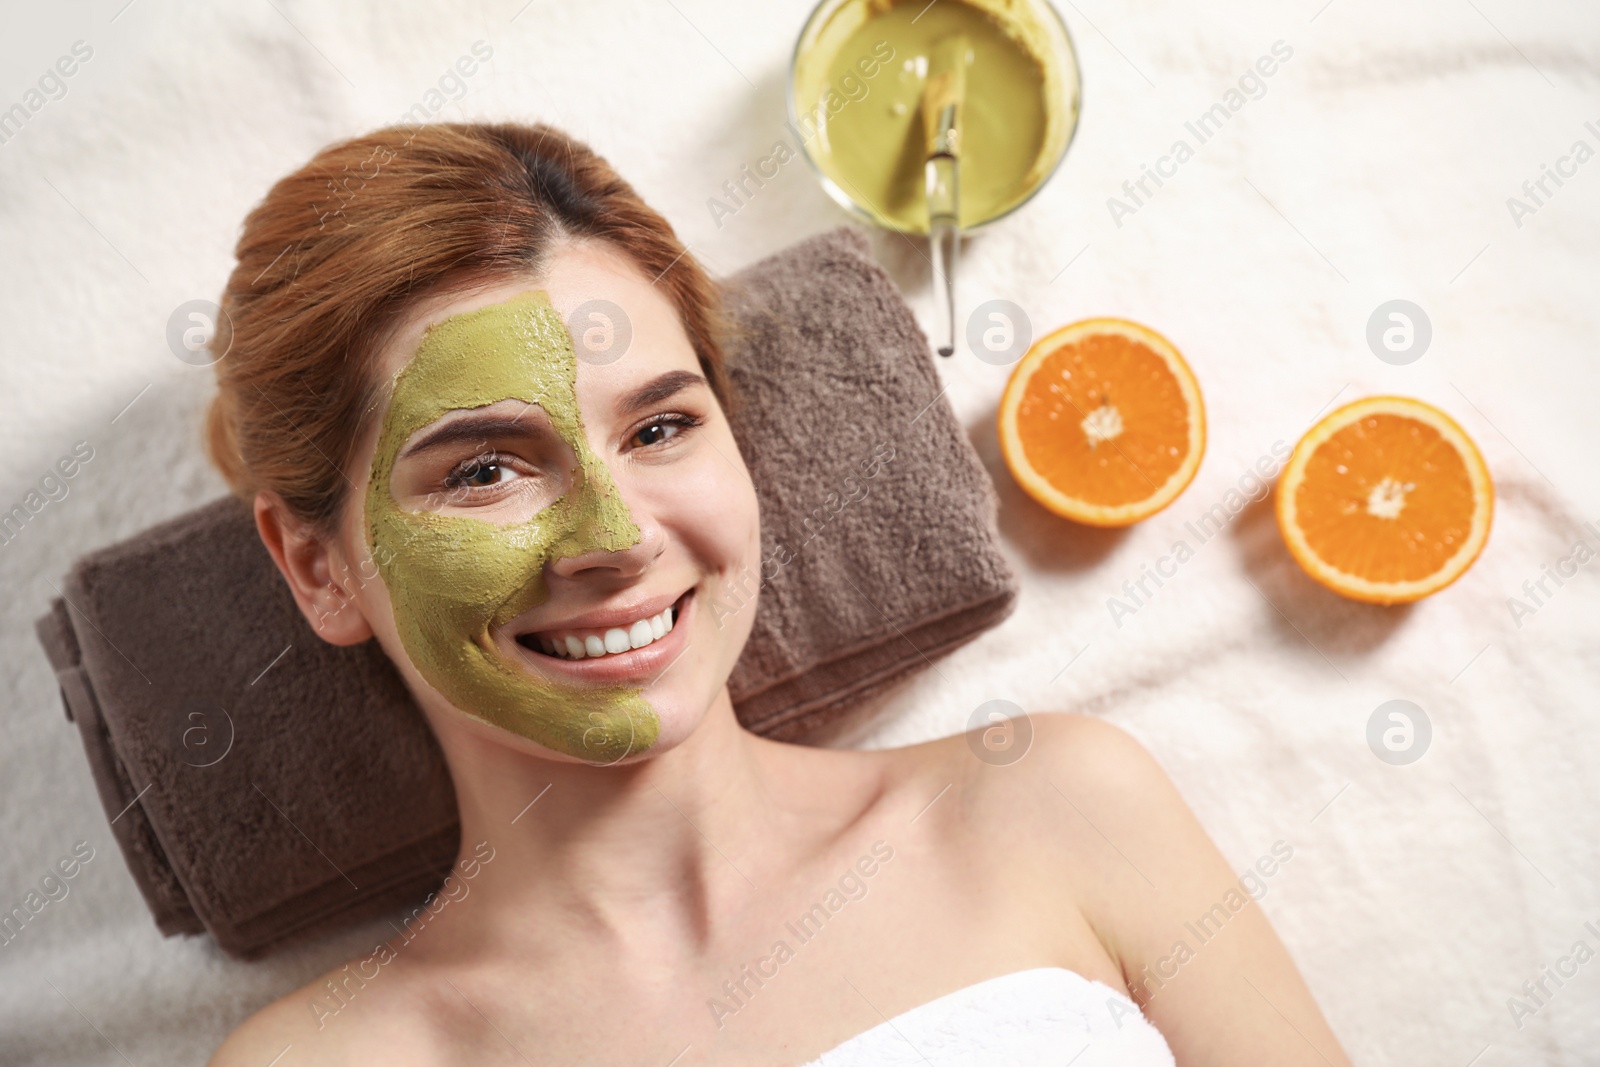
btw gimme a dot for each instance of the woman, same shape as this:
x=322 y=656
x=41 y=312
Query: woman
x=474 y=390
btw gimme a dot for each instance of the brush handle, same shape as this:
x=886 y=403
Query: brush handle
x=944 y=240
x=943 y=243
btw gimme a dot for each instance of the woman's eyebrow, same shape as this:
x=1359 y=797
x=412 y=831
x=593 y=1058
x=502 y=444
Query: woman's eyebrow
x=658 y=389
x=471 y=428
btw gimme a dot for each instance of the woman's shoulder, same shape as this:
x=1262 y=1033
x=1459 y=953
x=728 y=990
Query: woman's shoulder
x=1011 y=752
x=338 y=1018
x=1044 y=786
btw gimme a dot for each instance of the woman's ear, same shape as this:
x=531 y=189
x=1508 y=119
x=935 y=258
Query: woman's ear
x=320 y=578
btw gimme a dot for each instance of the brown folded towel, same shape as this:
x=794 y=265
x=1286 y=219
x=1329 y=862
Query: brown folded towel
x=263 y=783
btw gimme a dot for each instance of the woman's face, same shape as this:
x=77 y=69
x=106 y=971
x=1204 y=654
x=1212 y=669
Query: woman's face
x=557 y=514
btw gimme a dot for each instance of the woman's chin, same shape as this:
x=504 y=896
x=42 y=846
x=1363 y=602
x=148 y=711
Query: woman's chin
x=677 y=712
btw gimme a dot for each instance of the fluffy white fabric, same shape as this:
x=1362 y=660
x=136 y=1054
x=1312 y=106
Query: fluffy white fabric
x=1376 y=165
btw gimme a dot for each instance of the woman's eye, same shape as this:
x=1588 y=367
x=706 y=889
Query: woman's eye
x=663 y=428
x=487 y=474
x=480 y=473
x=654 y=433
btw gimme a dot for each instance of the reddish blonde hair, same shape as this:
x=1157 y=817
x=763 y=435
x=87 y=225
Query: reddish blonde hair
x=339 y=250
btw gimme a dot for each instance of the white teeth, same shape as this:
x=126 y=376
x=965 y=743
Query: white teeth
x=615 y=640
x=640 y=634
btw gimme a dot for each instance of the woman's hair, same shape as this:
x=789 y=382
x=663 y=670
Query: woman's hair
x=338 y=252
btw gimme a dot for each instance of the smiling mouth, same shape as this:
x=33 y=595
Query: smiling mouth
x=601 y=643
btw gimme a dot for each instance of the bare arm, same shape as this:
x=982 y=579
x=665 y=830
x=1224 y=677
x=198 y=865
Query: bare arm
x=1195 y=948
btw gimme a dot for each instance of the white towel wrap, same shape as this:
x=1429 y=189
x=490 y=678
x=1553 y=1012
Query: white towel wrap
x=1044 y=1016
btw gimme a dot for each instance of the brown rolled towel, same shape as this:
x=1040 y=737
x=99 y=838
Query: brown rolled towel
x=263 y=784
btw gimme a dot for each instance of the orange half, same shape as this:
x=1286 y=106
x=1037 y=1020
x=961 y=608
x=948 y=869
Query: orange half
x=1102 y=422
x=1385 y=500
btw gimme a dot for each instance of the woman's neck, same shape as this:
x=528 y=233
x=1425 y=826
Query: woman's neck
x=643 y=854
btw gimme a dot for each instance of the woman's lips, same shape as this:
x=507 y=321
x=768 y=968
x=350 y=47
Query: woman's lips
x=636 y=665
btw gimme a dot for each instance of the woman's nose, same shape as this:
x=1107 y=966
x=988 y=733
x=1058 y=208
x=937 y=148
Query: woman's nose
x=627 y=562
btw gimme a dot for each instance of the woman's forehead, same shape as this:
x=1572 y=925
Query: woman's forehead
x=503 y=342
x=611 y=310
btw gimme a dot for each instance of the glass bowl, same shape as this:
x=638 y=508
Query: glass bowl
x=831 y=21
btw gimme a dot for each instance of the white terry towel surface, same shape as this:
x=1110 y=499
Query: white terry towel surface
x=1375 y=164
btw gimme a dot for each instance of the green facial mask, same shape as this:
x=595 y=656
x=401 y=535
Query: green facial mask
x=456 y=580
